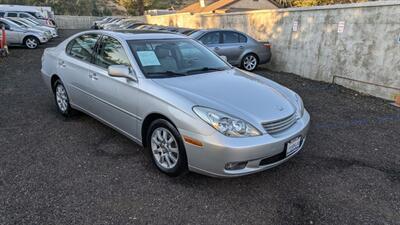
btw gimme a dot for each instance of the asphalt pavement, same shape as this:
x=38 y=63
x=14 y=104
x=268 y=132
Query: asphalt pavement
x=78 y=171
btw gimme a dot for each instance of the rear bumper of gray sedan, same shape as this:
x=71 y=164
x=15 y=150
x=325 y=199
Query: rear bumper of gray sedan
x=265 y=57
x=255 y=153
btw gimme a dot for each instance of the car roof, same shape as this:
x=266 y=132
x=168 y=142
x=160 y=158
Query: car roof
x=131 y=34
x=12 y=11
x=219 y=29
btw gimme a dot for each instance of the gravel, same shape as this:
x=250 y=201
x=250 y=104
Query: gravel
x=78 y=171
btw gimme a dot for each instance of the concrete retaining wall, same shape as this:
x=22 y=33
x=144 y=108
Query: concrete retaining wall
x=75 y=22
x=357 y=46
x=81 y=22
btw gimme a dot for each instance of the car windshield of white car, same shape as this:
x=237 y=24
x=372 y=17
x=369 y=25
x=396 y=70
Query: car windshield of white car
x=175 y=57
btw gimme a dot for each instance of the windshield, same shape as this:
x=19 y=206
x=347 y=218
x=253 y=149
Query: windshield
x=27 y=22
x=10 y=22
x=32 y=21
x=21 y=24
x=175 y=57
x=39 y=15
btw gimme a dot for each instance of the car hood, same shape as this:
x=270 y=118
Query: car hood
x=241 y=94
x=33 y=30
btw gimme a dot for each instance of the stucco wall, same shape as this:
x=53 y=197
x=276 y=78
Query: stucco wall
x=364 y=57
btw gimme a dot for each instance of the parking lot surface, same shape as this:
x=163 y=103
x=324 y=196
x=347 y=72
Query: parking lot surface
x=78 y=171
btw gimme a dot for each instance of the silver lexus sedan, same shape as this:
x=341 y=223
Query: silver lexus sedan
x=185 y=104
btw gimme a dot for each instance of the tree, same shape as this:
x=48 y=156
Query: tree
x=305 y=3
x=135 y=7
x=140 y=7
x=284 y=3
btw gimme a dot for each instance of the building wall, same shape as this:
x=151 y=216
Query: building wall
x=363 y=56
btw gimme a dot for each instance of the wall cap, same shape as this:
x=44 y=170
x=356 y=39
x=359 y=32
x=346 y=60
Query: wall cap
x=294 y=9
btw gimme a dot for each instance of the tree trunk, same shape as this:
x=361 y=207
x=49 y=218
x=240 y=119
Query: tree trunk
x=140 y=7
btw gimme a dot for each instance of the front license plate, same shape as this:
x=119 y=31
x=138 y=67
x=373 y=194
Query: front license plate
x=293 y=145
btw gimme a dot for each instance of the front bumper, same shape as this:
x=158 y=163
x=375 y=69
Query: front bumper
x=43 y=39
x=54 y=33
x=260 y=152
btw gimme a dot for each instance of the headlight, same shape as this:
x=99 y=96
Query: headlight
x=226 y=124
x=300 y=106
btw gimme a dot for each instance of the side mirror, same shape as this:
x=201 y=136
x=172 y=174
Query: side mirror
x=122 y=71
x=224 y=58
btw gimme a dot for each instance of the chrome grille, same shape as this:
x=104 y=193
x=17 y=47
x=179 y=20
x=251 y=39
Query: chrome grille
x=280 y=125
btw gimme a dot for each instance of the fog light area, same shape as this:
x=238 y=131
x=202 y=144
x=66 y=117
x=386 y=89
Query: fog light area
x=235 y=165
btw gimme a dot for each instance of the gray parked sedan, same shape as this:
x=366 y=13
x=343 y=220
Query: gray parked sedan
x=239 y=48
x=188 y=107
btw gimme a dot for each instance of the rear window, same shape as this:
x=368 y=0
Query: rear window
x=12 y=15
x=233 y=37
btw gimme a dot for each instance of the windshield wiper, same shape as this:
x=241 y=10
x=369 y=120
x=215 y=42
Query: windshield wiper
x=205 y=69
x=167 y=73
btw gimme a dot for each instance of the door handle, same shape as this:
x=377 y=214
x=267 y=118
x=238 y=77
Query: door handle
x=216 y=48
x=93 y=76
x=61 y=64
x=241 y=47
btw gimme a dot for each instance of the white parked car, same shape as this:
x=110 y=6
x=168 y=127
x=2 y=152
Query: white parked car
x=31 y=14
x=18 y=35
x=34 y=25
x=47 y=33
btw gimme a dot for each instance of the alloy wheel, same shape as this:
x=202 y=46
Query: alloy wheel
x=31 y=43
x=164 y=148
x=250 y=62
x=62 y=98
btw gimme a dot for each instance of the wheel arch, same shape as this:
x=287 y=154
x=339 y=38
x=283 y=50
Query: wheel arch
x=146 y=124
x=249 y=53
x=53 y=79
x=30 y=35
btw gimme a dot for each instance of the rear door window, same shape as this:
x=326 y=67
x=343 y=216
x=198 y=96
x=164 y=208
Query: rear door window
x=83 y=46
x=230 y=37
x=233 y=37
x=11 y=14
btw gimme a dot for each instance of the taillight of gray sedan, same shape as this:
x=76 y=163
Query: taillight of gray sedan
x=189 y=108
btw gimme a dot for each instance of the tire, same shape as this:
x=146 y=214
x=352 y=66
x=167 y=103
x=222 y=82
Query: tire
x=31 y=42
x=61 y=99
x=249 y=62
x=169 y=158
